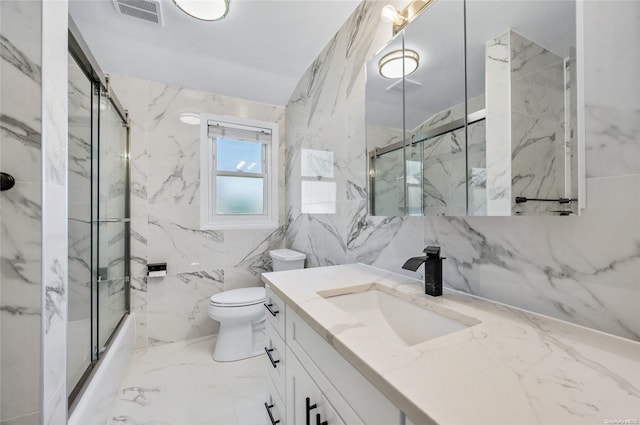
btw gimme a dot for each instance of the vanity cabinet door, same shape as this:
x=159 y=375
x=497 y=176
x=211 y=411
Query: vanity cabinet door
x=276 y=310
x=305 y=400
x=274 y=409
x=357 y=400
x=275 y=360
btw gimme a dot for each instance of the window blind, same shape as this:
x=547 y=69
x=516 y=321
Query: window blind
x=237 y=132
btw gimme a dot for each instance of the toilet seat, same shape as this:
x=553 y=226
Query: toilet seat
x=238 y=297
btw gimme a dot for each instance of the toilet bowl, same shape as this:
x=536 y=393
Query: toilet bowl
x=241 y=314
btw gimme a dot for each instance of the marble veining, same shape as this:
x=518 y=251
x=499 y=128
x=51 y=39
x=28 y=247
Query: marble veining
x=19 y=60
x=580 y=269
x=21 y=265
x=550 y=371
x=165 y=203
x=178 y=383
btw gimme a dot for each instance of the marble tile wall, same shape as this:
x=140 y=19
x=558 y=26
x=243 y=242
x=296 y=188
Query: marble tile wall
x=165 y=208
x=580 y=269
x=21 y=212
x=55 y=79
x=33 y=271
x=537 y=125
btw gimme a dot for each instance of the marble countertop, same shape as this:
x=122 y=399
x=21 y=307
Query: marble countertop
x=514 y=367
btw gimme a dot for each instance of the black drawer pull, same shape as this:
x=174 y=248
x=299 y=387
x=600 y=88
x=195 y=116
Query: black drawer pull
x=318 y=420
x=269 y=407
x=273 y=313
x=268 y=351
x=309 y=408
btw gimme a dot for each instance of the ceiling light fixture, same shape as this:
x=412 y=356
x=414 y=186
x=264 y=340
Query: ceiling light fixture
x=190 y=118
x=391 y=65
x=205 y=10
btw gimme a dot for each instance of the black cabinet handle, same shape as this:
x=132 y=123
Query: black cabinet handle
x=309 y=408
x=273 y=313
x=268 y=351
x=269 y=407
x=318 y=420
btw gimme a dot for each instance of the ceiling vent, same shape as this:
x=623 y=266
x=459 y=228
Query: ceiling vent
x=409 y=86
x=147 y=10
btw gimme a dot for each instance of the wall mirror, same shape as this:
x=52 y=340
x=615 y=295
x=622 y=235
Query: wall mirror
x=499 y=139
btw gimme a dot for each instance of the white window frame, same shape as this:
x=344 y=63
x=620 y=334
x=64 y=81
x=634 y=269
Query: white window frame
x=209 y=220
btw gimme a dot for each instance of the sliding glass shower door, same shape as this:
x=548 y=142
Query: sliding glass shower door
x=113 y=220
x=82 y=101
x=98 y=220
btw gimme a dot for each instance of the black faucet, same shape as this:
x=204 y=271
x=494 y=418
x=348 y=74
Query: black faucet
x=432 y=269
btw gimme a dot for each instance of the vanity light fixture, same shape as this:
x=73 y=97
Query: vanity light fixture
x=205 y=10
x=401 y=19
x=390 y=14
x=190 y=118
x=391 y=65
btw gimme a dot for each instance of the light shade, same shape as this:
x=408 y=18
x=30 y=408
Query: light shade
x=190 y=118
x=391 y=64
x=205 y=10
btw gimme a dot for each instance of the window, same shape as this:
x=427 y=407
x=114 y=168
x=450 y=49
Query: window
x=238 y=173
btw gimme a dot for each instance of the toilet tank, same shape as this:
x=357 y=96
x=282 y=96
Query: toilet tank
x=287 y=259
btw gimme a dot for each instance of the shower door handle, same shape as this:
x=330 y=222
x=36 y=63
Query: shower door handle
x=114 y=220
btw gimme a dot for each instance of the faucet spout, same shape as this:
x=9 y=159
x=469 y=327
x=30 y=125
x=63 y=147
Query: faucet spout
x=413 y=263
x=432 y=269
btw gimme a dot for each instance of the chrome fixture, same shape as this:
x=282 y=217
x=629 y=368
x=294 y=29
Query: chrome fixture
x=204 y=10
x=399 y=63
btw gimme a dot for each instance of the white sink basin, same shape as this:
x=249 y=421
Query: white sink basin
x=397 y=319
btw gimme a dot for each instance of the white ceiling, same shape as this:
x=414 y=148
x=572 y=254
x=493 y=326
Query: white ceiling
x=258 y=52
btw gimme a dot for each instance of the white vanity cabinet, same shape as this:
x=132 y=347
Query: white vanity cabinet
x=306 y=404
x=276 y=360
x=312 y=378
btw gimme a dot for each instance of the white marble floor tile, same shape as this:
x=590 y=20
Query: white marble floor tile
x=179 y=384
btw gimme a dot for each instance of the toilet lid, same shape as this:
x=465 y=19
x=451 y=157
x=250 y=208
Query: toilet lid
x=238 y=297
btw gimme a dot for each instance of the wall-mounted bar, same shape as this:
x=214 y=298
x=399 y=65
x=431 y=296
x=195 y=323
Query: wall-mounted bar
x=429 y=134
x=522 y=199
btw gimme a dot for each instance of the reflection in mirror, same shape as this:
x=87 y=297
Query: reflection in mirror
x=434 y=111
x=500 y=140
x=521 y=60
x=385 y=135
x=318 y=187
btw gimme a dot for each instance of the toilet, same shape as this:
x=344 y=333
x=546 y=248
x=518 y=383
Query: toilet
x=241 y=313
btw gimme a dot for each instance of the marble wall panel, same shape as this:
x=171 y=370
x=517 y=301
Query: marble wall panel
x=21 y=288
x=497 y=98
x=165 y=196
x=177 y=305
x=580 y=269
x=55 y=65
x=246 y=255
x=612 y=91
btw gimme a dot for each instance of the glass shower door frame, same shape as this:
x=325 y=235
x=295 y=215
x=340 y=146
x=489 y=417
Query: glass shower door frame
x=100 y=86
